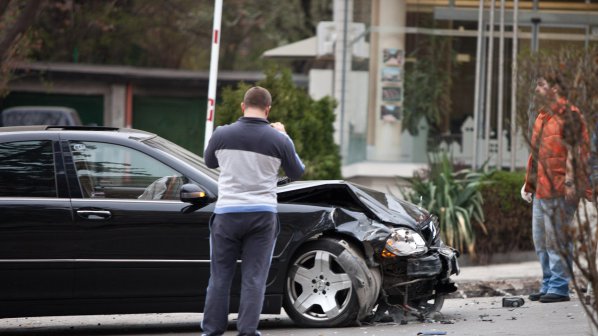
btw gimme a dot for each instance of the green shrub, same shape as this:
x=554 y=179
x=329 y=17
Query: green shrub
x=454 y=197
x=508 y=218
x=308 y=122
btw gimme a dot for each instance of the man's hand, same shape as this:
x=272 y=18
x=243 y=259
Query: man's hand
x=570 y=192
x=527 y=196
x=278 y=126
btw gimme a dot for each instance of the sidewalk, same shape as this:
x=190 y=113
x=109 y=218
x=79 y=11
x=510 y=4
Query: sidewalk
x=520 y=270
x=520 y=278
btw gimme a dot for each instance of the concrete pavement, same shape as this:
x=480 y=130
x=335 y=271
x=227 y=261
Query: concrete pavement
x=475 y=309
x=472 y=317
x=496 y=272
x=510 y=279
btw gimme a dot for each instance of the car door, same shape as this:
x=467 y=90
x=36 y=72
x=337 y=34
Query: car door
x=37 y=241
x=138 y=241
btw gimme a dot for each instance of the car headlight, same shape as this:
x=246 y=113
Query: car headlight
x=404 y=242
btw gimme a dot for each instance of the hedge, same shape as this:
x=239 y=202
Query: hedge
x=508 y=217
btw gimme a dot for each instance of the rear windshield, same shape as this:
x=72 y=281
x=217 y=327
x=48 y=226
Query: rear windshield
x=39 y=117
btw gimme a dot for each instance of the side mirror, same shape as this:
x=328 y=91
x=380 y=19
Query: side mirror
x=196 y=195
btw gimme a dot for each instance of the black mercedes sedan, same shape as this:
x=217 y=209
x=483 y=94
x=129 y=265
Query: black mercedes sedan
x=99 y=220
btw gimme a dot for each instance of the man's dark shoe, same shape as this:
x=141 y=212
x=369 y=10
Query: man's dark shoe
x=535 y=296
x=547 y=298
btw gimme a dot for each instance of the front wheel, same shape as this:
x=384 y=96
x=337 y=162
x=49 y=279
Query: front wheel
x=318 y=291
x=429 y=307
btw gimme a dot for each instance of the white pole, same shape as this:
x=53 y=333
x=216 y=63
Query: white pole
x=501 y=77
x=213 y=72
x=478 y=74
x=514 y=84
x=489 y=81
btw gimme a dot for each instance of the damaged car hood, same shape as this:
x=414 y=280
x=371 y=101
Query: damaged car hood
x=380 y=206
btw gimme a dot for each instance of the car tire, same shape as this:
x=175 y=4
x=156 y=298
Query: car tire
x=318 y=291
x=431 y=306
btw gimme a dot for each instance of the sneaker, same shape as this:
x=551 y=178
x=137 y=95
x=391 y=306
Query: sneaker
x=551 y=297
x=535 y=296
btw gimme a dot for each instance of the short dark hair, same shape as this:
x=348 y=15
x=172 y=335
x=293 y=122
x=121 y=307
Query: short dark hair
x=257 y=97
x=555 y=78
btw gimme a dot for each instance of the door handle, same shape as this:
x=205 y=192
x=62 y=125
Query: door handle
x=94 y=214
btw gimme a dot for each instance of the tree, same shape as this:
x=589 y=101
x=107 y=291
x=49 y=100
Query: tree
x=15 y=19
x=172 y=34
x=308 y=122
x=124 y=32
x=578 y=70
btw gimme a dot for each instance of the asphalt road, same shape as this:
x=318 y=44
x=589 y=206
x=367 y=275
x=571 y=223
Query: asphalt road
x=474 y=316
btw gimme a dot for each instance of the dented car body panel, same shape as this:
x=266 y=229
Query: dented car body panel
x=369 y=217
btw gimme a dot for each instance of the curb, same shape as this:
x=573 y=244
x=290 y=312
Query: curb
x=502 y=287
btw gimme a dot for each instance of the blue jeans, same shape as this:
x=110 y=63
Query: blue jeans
x=549 y=218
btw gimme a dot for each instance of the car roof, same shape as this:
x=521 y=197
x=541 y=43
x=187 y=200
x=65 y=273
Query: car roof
x=92 y=129
x=40 y=108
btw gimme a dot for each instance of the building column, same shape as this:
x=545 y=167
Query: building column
x=386 y=92
x=343 y=18
x=114 y=106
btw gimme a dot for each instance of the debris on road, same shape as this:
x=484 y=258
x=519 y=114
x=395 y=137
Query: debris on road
x=512 y=301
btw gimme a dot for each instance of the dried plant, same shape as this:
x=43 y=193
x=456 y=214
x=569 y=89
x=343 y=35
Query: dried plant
x=578 y=70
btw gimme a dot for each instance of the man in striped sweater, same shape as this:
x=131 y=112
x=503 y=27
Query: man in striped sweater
x=245 y=223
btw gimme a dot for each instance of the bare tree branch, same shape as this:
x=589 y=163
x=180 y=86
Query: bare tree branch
x=3 y=6
x=24 y=21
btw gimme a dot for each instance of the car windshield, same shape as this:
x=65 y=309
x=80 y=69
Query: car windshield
x=182 y=154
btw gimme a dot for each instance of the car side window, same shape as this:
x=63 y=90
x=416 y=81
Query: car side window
x=112 y=171
x=27 y=169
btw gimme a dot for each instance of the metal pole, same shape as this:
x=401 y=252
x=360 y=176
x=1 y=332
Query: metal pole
x=532 y=113
x=344 y=144
x=213 y=72
x=535 y=27
x=489 y=81
x=514 y=84
x=501 y=78
x=478 y=71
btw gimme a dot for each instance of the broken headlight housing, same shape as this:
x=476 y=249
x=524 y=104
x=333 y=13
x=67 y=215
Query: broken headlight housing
x=404 y=242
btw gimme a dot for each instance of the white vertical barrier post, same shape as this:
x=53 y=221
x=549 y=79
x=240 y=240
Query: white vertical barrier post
x=213 y=72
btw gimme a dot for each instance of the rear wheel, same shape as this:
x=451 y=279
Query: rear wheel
x=318 y=291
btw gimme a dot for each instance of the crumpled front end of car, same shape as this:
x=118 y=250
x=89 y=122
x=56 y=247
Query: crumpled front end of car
x=416 y=265
x=398 y=242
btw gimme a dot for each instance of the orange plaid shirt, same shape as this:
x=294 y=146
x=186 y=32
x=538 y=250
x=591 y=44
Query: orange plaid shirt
x=553 y=133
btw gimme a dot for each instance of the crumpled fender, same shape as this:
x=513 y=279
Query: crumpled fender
x=366 y=280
